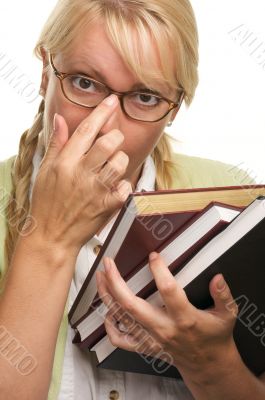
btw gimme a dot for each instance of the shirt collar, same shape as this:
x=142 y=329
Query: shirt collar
x=148 y=176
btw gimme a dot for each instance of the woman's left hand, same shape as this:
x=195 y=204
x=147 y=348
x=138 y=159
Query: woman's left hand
x=191 y=339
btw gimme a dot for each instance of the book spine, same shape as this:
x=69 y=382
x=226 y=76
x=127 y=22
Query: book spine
x=96 y=263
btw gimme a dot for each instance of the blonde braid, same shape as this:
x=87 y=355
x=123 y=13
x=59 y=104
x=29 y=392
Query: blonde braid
x=162 y=156
x=18 y=204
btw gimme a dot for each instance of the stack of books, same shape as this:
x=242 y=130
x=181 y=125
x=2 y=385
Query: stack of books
x=199 y=233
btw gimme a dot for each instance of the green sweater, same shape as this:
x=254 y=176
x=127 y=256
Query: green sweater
x=189 y=172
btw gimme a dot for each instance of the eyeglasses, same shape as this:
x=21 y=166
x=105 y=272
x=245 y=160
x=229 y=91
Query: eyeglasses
x=138 y=105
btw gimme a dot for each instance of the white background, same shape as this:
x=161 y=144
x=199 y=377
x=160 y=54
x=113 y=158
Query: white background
x=226 y=120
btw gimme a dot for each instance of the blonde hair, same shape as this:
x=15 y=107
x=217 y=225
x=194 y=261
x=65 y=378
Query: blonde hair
x=130 y=25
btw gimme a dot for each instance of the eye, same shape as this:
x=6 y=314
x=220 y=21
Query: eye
x=83 y=83
x=147 y=99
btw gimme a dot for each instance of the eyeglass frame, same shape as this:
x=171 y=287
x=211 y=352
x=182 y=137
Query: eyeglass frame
x=62 y=75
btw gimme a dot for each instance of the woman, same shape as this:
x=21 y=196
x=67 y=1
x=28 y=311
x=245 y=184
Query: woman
x=114 y=75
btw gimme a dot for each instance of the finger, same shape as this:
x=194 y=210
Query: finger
x=106 y=297
x=143 y=343
x=58 y=138
x=118 y=320
x=103 y=148
x=113 y=170
x=117 y=338
x=115 y=309
x=84 y=136
x=147 y=315
x=222 y=296
x=127 y=324
x=116 y=198
x=174 y=297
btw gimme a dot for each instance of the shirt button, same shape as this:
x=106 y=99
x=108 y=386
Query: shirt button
x=97 y=249
x=114 y=395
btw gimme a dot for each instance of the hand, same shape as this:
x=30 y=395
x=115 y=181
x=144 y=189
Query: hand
x=79 y=184
x=193 y=340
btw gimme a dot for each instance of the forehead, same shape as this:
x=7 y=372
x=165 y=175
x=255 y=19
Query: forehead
x=93 y=48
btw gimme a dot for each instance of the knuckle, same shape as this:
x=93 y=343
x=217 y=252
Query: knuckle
x=105 y=145
x=124 y=158
x=233 y=309
x=225 y=294
x=86 y=127
x=166 y=337
x=116 y=167
x=129 y=306
x=61 y=166
x=117 y=135
x=168 y=287
x=187 y=324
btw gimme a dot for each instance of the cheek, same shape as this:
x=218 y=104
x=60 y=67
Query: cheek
x=73 y=115
x=140 y=142
x=55 y=102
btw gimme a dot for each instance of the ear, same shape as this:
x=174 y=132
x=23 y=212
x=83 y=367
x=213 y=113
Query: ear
x=44 y=76
x=171 y=117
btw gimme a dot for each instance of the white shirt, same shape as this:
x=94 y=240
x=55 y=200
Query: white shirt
x=81 y=379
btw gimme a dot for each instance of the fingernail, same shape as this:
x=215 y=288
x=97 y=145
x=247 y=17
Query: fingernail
x=55 y=123
x=153 y=256
x=107 y=264
x=110 y=100
x=221 y=283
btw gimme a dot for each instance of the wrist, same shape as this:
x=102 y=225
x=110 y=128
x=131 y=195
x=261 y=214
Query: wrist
x=37 y=234
x=225 y=378
x=38 y=247
x=217 y=368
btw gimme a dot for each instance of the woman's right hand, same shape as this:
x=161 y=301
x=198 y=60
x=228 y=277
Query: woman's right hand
x=79 y=184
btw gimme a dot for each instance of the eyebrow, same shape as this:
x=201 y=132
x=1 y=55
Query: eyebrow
x=98 y=76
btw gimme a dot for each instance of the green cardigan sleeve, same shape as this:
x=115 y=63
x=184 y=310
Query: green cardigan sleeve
x=196 y=172
x=5 y=189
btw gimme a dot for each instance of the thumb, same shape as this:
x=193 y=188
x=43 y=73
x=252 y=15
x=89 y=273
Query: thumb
x=222 y=296
x=58 y=138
